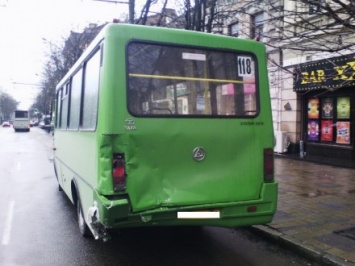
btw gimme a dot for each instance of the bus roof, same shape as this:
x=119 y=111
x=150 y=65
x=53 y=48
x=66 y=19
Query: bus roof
x=145 y=33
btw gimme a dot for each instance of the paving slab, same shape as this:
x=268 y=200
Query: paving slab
x=316 y=210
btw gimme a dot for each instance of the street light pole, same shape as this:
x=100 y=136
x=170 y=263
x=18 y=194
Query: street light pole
x=131 y=6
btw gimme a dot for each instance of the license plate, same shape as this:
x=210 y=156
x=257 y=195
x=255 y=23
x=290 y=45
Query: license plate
x=199 y=215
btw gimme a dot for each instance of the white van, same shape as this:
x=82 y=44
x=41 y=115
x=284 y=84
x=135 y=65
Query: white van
x=21 y=121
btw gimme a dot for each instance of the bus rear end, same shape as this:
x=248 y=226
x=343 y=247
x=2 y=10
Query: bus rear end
x=21 y=121
x=193 y=141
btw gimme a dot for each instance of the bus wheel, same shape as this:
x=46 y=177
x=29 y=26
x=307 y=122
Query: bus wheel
x=84 y=229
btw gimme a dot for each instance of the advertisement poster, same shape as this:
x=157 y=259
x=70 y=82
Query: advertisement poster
x=343 y=108
x=249 y=85
x=326 y=130
x=343 y=132
x=200 y=103
x=327 y=108
x=313 y=130
x=228 y=89
x=313 y=108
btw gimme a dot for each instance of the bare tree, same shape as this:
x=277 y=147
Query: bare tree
x=299 y=25
x=60 y=60
x=198 y=15
x=145 y=12
x=7 y=105
x=291 y=28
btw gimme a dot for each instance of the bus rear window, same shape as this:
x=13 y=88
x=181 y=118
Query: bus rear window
x=21 y=114
x=181 y=81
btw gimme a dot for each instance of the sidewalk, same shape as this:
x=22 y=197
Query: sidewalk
x=316 y=211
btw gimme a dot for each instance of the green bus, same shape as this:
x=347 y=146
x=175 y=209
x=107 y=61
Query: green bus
x=166 y=127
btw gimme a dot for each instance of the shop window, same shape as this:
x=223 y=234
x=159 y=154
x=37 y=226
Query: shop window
x=328 y=120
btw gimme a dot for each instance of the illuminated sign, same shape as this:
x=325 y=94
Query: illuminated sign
x=328 y=74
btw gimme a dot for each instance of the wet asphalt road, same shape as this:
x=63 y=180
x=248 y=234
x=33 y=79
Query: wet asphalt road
x=38 y=223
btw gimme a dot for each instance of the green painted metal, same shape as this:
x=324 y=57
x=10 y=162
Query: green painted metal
x=162 y=176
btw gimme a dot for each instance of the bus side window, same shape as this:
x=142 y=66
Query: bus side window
x=91 y=92
x=64 y=104
x=75 y=98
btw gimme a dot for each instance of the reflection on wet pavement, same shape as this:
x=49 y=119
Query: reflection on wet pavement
x=312 y=180
x=315 y=202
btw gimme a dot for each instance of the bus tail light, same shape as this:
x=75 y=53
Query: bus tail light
x=268 y=165
x=118 y=172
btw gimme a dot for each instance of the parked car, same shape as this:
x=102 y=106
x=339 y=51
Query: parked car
x=6 y=124
x=34 y=123
x=46 y=124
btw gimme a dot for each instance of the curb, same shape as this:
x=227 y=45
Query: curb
x=298 y=247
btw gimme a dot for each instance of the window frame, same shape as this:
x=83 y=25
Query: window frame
x=226 y=51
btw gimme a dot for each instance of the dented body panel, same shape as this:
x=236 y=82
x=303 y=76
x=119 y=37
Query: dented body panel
x=189 y=153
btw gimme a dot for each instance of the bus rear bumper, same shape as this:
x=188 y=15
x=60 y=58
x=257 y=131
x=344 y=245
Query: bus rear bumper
x=116 y=213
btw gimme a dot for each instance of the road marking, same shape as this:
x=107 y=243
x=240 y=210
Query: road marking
x=8 y=225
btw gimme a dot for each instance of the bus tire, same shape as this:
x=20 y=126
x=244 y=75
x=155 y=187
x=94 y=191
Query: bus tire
x=83 y=228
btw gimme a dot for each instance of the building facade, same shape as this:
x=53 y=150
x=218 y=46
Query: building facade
x=311 y=69
x=327 y=94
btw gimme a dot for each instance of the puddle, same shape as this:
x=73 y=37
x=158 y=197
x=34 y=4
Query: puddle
x=349 y=233
x=317 y=193
x=336 y=240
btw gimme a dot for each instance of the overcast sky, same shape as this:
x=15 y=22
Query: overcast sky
x=26 y=27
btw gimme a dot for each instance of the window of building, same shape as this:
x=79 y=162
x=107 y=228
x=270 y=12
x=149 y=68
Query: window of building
x=234 y=29
x=315 y=7
x=257 y=26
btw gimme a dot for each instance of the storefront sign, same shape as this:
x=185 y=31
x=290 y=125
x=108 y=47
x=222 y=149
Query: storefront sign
x=330 y=73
